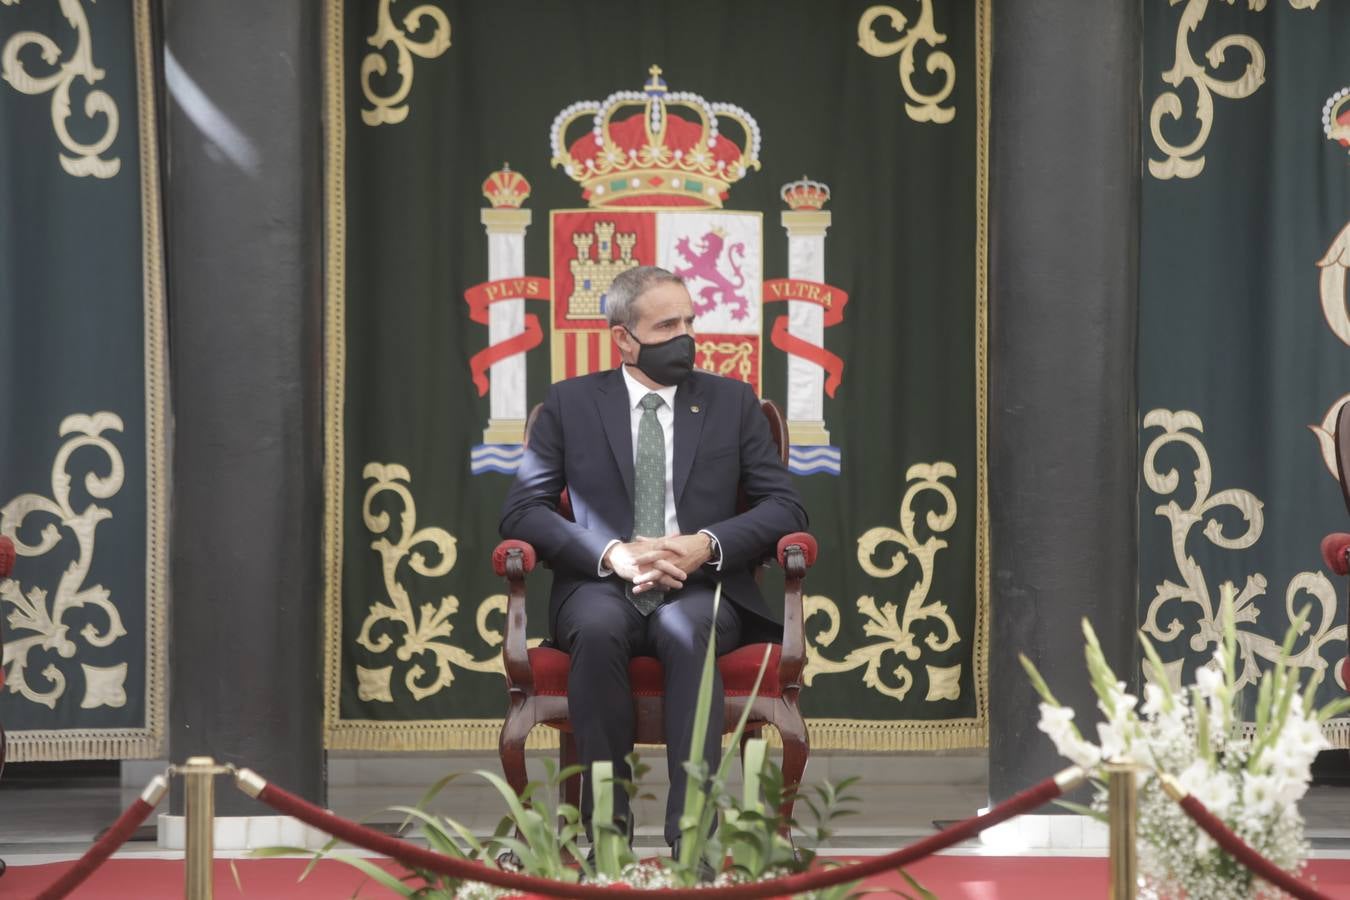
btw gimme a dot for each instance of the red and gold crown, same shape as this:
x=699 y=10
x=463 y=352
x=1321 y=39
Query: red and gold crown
x=1336 y=117
x=653 y=147
x=505 y=189
x=805 y=194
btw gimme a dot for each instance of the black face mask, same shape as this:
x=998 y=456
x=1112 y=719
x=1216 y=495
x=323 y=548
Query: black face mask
x=668 y=362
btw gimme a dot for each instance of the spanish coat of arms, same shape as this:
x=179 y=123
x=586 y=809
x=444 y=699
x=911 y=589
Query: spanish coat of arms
x=655 y=167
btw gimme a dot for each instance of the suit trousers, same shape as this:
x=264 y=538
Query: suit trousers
x=601 y=630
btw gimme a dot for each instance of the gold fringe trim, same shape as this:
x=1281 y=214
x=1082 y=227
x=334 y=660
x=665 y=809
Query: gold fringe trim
x=976 y=733
x=1338 y=732
x=826 y=734
x=447 y=734
x=152 y=743
x=86 y=743
x=335 y=363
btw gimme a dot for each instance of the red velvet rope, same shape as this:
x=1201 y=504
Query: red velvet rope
x=114 y=837
x=420 y=858
x=1243 y=852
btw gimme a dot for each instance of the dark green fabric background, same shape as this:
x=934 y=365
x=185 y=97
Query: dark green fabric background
x=71 y=341
x=1231 y=326
x=902 y=244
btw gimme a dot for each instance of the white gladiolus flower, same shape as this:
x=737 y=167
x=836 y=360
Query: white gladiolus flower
x=1113 y=740
x=1154 y=700
x=1253 y=784
x=1260 y=795
x=1214 y=789
x=1208 y=680
x=1057 y=723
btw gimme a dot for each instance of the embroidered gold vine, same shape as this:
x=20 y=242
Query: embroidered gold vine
x=924 y=107
x=1186 y=161
x=893 y=626
x=1184 y=428
x=426 y=629
x=33 y=622
x=393 y=108
x=84 y=159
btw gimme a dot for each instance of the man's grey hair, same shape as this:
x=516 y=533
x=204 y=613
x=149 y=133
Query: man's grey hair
x=628 y=286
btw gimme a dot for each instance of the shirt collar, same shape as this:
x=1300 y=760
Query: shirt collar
x=637 y=391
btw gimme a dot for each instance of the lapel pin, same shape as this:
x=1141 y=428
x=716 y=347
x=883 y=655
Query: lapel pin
x=694 y=408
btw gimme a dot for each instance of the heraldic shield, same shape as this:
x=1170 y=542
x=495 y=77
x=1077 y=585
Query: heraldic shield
x=655 y=167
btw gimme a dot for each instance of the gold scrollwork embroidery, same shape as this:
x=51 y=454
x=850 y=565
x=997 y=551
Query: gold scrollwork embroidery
x=33 y=622
x=925 y=107
x=895 y=628
x=1183 y=428
x=85 y=159
x=392 y=109
x=426 y=629
x=1185 y=161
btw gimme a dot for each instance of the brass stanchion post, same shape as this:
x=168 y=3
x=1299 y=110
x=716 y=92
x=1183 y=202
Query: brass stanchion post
x=199 y=782
x=1123 y=800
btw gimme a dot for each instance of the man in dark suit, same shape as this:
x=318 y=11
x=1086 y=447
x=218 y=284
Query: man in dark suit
x=652 y=455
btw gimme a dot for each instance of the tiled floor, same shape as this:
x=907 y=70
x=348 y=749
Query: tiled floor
x=903 y=797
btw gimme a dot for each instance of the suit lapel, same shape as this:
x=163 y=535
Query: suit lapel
x=690 y=413
x=616 y=418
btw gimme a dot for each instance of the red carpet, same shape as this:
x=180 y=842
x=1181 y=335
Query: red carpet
x=949 y=877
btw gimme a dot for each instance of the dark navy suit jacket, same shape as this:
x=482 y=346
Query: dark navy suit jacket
x=582 y=440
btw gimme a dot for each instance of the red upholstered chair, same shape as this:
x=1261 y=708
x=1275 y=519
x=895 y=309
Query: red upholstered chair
x=1336 y=547
x=536 y=678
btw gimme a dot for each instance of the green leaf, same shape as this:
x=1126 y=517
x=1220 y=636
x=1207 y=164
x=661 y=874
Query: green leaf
x=436 y=836
x=924 y=893
x=1037 y=681
x=370 y=869
x=691 y=840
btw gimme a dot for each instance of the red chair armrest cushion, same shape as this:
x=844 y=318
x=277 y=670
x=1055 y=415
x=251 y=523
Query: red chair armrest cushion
x=499 y=556
x=803 y=540
x=1334 y=547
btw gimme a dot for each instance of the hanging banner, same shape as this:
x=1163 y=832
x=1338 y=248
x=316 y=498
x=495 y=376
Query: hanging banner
x=83 y=398
x=815 y=172
x=1244 y=346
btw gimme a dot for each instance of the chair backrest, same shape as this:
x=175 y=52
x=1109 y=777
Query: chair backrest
x=1343 y=451
x=778 y=428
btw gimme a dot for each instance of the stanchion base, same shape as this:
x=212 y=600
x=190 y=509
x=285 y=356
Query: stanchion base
x=243 y=833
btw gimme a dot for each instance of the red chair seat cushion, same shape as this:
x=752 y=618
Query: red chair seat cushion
x=739 y=668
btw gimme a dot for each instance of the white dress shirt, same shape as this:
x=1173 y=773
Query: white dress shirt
x=665 y=414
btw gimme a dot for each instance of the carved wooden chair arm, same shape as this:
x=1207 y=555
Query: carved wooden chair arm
x=513 y=560
x=796 y=553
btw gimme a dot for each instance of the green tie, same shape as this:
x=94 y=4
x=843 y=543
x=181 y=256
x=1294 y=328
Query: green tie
x=649 y=487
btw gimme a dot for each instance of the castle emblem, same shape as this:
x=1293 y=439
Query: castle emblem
x=655 y=168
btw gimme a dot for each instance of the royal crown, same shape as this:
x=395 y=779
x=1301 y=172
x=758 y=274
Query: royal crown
x=1336 y=118
x=505 y=189
x=805 y=194
x=653 y=147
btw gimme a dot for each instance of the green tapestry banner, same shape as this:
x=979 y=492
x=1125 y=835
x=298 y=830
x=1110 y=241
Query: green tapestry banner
x=1244 y=339
x=817 y=174
x=83 y=394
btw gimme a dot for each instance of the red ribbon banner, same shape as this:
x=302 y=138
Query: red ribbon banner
x=480 y=297
x=832 y=300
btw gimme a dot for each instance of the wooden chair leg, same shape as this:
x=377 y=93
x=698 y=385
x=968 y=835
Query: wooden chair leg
x=796 y=750
x=569 y=791
x=511 y=743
